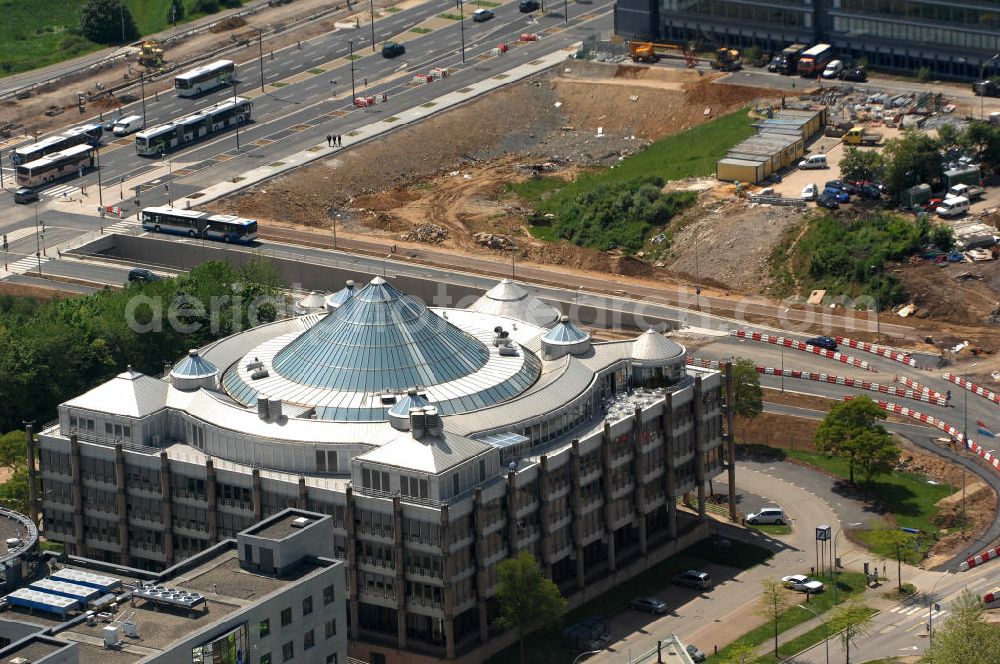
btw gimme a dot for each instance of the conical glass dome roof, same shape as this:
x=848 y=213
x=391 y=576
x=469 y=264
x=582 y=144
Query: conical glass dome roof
x=565 y=333
x=379 y=340
x=194 y=366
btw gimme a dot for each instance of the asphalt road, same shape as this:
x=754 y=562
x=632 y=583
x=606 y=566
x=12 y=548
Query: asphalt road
x=306 y=108
x=902 y=630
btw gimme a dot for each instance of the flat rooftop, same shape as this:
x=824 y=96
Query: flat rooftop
x=33 y=651
x=280 y=528
x=227 y=588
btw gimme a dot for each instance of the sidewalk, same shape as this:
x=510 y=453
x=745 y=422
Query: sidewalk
x=871 y=597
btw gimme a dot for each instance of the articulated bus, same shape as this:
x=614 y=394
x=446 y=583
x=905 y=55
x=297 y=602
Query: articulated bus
x=225 y=114
x=68 y=163
x=202 y=79
x=90 y=134
x=220 y=227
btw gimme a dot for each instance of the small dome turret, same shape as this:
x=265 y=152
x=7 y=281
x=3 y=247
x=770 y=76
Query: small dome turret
x=194 y=372
x=334 y=301
x=563 y=338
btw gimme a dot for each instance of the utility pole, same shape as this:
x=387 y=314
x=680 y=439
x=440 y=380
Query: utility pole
x=260 y=48
x=371 y=9
x=566 y=11
x=142 y=84
x=38 y=248
x=1 y=170
x=350 y=45
x=878 y=283
x=965 y=441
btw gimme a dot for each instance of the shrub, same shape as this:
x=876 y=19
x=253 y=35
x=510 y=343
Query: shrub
x=205 y=6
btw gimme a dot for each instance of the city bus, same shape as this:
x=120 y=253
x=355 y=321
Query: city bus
x=219 y=227
x=47 y=146
x=202 y=79
x=68 y=163
x=194 y=127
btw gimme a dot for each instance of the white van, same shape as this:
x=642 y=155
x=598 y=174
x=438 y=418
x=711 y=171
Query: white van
x=814 y=161
x=833 y=69
x=953 y=207
x=771 y=514
x=127 y=125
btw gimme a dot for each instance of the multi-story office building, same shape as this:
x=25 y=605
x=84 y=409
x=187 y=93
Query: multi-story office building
x=440 y=442
x=950 y=39
x=273 y=595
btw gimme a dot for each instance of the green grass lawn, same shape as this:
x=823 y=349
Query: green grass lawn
x=546 y=648
x=801 y=642
x=772 y=528
x=36 y=34
x=687 y=154
x=909 y=496
x=848 y=584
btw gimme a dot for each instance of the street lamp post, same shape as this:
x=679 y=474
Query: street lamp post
x=877 y=284
x=38 y=249
x=586 y=653
x=371 y=9
x=982 y=77
x=852 y=525
x=930 y=610
x=260 y=49
x=461 y=21
x=350 y=45
x=235 y=83
x=100 y=194
x=142 y=85
x=826 y=630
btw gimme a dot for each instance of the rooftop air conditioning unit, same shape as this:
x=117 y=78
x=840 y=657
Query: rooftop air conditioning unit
x=301 y=522
x=20 y=660
x=260 y=373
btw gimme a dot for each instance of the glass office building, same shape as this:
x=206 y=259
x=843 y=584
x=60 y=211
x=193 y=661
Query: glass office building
x=951 y=39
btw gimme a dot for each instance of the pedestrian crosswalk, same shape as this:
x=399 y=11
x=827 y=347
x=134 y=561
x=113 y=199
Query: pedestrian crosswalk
x=60 y=191
x=27 y=264
x=917 y=611
x=126 y=226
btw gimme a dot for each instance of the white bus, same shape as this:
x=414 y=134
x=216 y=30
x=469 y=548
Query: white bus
x=225 y=114
x=202 y=79
x=68 y=163
x=219 y=227
x=50 y=145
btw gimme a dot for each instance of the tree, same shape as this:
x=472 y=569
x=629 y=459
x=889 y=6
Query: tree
x=13 y=450
x=108 y=22
x=851 y=430
x=965 y=637
x=741 y=652
x=748 y=400
x=899 y=545
x=851 y=621
x=859 y=164
x=527 y=598
x=911 y=159
x=175 y=12
x=942 y=236
x=984 y=139
x=772 y=604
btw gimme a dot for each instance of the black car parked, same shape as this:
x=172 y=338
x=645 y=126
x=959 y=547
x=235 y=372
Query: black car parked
x=857 y=74
x=142 y=275
x=827 y=201
x=526 y=6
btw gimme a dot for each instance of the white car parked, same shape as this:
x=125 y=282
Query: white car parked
x=802 y=583
x=810 y=192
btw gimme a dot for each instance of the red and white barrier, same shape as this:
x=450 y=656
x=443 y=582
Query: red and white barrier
x=801 y=345
x=979 y=559
x=439 y=72
x=972 y=387
x=893 y=355
x=987 y=456
x=422 y=78
x=991 y=599
x=528 y=36
x=932 y=395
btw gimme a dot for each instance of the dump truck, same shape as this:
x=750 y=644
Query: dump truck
x=150 y=54
x=862 y=136
x=727 y=59
x=650 y=52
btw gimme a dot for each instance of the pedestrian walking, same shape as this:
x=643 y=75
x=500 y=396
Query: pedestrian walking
x=385 y=97
x=329 y=140
x=340 y=141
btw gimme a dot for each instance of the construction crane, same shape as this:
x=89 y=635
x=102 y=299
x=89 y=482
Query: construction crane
x=727 y=59
x=650 y=52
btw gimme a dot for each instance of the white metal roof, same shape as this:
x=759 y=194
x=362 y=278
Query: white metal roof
x=429 y=454
x=130 y=394
x=511 y=300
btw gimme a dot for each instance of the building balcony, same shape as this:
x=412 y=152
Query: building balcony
x=98 y=507
x=420 y=540
x=97 y=478
x=380 y=565
x=155 y=518
x=424 y=605
x=134 y=486
x=422 y=573
x=241 y=505
x=196 y=496
x=103 y=543
x=195 y=527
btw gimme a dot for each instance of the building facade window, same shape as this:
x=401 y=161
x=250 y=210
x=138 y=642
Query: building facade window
x=330 y=628
x=307 y=606
x=286 y=617
x=265 y=658
x=328 y=595
x=287 y=651
x=264 y=627
x=308 y=640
